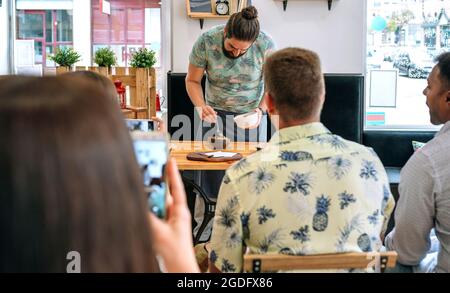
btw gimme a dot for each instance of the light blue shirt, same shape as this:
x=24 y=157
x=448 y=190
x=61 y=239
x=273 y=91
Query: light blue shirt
x=424 y=204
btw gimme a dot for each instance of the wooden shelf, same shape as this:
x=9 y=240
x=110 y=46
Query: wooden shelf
x=206 y=15
x=285 y=2
x=201 y=16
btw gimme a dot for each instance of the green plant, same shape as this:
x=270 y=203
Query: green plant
x=105 y=57
x=66 y=57
x=143 y=58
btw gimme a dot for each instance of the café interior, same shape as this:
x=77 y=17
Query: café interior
x=209 y=200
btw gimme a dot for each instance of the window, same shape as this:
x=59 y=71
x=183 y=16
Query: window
x=50 y=29
x=403 y=37
x=131 y=25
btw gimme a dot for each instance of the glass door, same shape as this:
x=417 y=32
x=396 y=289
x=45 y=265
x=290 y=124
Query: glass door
x=31 y=26
x=50 y=30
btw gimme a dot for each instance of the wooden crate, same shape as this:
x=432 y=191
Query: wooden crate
x=142 y=87
x=62 y=69
x=129 y=113
x=100 y=70
x=141 y=83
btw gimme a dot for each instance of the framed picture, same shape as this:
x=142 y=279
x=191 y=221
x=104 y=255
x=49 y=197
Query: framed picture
x=199 y=6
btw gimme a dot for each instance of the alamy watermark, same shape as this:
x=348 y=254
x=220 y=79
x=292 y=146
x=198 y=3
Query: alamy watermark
x=74 y=264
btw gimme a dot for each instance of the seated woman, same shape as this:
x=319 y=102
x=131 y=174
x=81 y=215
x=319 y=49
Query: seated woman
x=70 y=185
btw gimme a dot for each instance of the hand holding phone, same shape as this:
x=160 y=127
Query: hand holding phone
x=151 y=149
x=173 y=238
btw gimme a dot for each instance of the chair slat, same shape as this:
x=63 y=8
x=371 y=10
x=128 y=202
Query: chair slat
x=355 y=260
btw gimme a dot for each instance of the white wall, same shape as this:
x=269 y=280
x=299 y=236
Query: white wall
x=82 y=30
x=338 y=36
x=4 y=38
x=166 y=45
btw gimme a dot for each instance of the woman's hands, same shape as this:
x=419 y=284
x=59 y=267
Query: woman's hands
x=172 y=238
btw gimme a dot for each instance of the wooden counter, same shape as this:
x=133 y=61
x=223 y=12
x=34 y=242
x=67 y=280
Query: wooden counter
x=180 y=149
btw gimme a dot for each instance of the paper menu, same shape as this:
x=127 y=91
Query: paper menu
x=219 y=154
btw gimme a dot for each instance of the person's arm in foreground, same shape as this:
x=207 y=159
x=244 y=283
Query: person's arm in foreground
x=173 y=237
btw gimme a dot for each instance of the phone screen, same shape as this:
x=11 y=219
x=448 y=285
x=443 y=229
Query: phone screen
x=151 y=154
x=140 y=125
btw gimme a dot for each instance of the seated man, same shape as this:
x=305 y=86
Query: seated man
x=308 y=191
x=424 y=187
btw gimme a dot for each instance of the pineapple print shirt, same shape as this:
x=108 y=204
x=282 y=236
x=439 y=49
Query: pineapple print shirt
x=307 y=192
x=234 y=85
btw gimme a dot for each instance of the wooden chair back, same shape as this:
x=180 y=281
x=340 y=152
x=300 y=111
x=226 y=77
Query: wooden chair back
x=353 y=260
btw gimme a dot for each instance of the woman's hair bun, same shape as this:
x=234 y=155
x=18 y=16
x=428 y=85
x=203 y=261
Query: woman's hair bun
x=250 y=12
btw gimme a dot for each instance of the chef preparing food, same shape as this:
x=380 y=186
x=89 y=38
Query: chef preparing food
x=232 y=57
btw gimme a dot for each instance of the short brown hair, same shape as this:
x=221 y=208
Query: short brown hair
x=243 y=25
x=293 y=77
x=69 y=180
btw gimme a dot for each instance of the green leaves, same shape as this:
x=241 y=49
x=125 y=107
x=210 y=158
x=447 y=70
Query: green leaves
x=66 y=57
x=143 y=58
x=105 y=57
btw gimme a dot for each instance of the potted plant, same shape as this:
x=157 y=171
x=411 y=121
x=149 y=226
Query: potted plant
x=65 y=58
x=142 y=62
x=105 y=58
x=143 y=58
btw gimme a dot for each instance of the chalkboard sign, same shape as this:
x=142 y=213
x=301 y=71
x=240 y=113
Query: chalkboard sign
x=200 y=6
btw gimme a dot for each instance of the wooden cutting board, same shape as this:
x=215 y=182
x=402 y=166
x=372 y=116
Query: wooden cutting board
x=200 y=156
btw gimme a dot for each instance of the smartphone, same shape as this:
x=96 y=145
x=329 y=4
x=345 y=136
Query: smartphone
x=151 y=149
x=145 y=125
